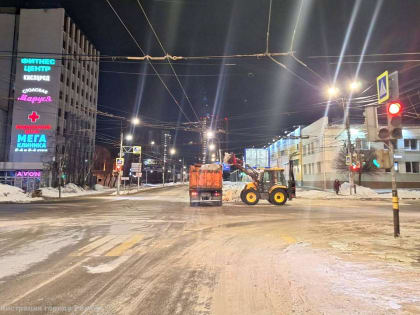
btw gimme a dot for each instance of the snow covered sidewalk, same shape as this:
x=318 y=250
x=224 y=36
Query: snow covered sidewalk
x=361 y=193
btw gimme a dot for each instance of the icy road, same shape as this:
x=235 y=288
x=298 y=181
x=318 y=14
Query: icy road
x=151 y=253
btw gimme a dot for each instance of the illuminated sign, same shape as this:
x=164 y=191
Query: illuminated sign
x=35 y=99
x=28 y=129
x=28 y=174
x=35 y=90
x=33 y=117
x=36 y=68
x=30 y=77
x=31 y=142
x=38 y=61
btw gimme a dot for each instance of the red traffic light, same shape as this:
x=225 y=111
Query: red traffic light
x=394 y=108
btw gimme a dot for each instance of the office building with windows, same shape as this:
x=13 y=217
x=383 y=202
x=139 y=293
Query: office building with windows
x=48 y=120
x=316 y=148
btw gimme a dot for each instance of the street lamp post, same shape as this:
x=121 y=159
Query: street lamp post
x=129 y=137
x=334 y=92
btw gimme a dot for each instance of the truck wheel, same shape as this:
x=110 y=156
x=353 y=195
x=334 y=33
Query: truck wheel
x=194 y=204
x=250 y=197
x=219 y=204
x=278 y=197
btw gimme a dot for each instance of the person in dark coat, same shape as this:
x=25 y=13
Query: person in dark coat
x=337 y=185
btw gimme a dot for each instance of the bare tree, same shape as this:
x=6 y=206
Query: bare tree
x=366 y=158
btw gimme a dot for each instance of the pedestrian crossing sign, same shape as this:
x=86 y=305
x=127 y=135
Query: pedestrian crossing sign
x=382 y=84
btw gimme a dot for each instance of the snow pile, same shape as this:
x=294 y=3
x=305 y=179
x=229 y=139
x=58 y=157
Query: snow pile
x=210 y=167
x=13 y=194
x=232 y=190
x=99 y=187
x=405 y=193
x=360 y=191
x=70 y=190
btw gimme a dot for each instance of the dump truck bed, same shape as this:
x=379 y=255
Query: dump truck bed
x=206 y=183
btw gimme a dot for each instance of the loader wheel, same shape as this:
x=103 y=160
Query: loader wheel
x=278 y=197
x=250 y=197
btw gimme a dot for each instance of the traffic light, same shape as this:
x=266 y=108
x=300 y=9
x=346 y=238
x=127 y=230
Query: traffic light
x=394 y=114
x=382 y=159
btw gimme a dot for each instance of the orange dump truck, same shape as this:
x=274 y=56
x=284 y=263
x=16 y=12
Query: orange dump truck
x=206 y=184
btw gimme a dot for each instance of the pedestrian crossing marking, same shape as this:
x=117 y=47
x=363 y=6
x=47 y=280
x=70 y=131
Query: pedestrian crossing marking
x=120 y=249
x=288 y=239
x=93 y=245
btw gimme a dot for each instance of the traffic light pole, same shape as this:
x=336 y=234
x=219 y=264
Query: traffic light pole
x=395 y=202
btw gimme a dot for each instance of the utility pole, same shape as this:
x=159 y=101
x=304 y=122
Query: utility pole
x=301 y=156
x=120 y=155
x=349 y=151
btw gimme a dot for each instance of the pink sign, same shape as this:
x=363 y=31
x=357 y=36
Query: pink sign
x=35 y=99
x=28 y=174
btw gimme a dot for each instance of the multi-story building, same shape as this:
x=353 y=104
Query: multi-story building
x=51 y=79
x=315 y=151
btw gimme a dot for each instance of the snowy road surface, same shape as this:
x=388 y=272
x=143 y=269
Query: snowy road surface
x=151 y=253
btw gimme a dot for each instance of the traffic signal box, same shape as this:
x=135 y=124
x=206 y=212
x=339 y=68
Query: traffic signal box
x=393 y=110
x=382 y=159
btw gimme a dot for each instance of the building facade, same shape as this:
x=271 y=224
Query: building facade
x=316 y=148
x=51 y=109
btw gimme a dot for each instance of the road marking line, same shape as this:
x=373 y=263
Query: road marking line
x=288 y=239
x=47 y=281
x=91 y=246
x=107 y=246
x=117 y=251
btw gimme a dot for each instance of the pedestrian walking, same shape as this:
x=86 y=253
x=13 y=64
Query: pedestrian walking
x=337 y=185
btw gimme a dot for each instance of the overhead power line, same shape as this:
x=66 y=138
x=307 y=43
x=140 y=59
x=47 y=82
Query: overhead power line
x=170 y=64
x=368 y=55
x=153 y=67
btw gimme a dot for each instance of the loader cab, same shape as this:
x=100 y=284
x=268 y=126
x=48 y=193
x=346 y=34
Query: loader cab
x=271 y=177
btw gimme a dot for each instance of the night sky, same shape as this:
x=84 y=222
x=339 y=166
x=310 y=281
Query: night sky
x=256 y=94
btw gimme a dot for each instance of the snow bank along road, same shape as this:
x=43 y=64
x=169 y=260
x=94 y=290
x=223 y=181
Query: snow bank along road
x=153 y=254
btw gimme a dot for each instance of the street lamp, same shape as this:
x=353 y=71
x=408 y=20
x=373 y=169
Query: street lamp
x=172 y=151
x=212 y=146
x=333 y=91
x=135 y=121
x=210 y=134
x=152 y=142
x=355 y=86
x=129 y=137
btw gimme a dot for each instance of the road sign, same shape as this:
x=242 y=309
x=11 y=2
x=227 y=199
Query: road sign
x=119 y=161
x=137 y=150
x=382 y=85
x=125 y=178
x=347 y=160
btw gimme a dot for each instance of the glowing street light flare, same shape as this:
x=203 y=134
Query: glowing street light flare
x=152 y=142
x=333 y=91
x=212 y=146
x=355 y=85
x=129 y=137
x=172 y=151
x=135 y=121
x=210 y=134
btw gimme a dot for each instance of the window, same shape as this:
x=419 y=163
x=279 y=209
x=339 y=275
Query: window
x=67 y=98
x=59 y=112
x=61 y=95
x=415 y=167
x=412 y=167
x=304 y=169
x=318 y=166
x=410 y=144
x=312 y=148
